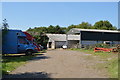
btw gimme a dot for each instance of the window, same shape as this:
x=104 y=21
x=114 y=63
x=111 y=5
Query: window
x=22 y=40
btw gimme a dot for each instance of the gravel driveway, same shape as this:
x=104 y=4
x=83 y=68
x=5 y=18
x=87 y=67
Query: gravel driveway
x=61 y=63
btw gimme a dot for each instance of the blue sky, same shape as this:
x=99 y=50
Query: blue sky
x=22 y=15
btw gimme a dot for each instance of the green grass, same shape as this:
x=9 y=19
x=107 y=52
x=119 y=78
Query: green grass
x=91 y=51
x=11 y=62
x=112 y=63
x=113 y=68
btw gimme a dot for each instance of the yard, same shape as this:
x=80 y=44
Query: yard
x=61 y=63
x=110 y=57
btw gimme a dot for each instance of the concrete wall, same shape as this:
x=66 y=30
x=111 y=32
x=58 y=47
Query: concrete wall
x=90 y=42
x=73 y=43
x=96 y=42
x=116 y=42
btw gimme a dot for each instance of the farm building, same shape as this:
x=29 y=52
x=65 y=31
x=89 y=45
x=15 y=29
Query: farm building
x=58 y=40
x=94 y=36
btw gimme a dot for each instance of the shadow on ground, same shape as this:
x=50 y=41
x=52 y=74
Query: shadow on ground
x=39 y=57
x=16 y=58
x=27 y=75
x=22 y=57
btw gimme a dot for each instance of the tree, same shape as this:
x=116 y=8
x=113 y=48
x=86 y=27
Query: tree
x=107 y=24
x=41 y=39
x=39 y=33
x=70 y=27
x=98 y=25
x=5 y=27
x=51 y=29
x=113 y=28
x=58 y=30
x=104 y=25
x=64 y=29
x=55 y=29
x=84 y=25
x=29 y=29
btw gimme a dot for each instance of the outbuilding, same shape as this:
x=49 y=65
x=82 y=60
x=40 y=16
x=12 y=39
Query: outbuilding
x=58 y=40
x=95 y=36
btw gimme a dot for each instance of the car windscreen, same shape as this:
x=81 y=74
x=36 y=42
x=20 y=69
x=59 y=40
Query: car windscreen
x=22 y=40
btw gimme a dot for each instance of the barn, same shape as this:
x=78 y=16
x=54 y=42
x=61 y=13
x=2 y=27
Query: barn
x=58 y=40
x=95 y=36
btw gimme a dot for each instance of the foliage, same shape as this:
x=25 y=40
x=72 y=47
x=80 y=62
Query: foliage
x=5 y=27
x=112 y=61
x=104 y=25
x=55 y=29
x=105 y=45
x=91 y=47
x=37 y=32
x=70 y=27
x=113 y=68
x=83 y=25
x=11 y=62
x=118 y=48
x=41 y=39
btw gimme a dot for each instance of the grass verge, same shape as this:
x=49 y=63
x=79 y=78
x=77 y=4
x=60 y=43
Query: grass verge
x=113 y=68
x=111 y=58
x=10 y=62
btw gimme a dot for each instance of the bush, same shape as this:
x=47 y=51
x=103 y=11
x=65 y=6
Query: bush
x=89 y=47
x=118 y=48
x=106 y=45
x=86 y=47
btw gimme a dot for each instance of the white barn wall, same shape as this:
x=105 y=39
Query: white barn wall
x=53 y=45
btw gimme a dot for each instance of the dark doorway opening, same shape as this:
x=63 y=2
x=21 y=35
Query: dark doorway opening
x=50 y=43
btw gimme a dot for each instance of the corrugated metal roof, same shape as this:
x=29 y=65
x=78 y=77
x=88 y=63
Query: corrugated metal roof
x=62 y=37
x=77 y=30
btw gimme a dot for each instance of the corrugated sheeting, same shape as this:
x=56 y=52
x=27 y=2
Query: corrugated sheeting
x=62 y=37
x=77 y=30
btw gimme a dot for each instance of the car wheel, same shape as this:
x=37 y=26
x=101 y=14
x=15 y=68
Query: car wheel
x=29 y=52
